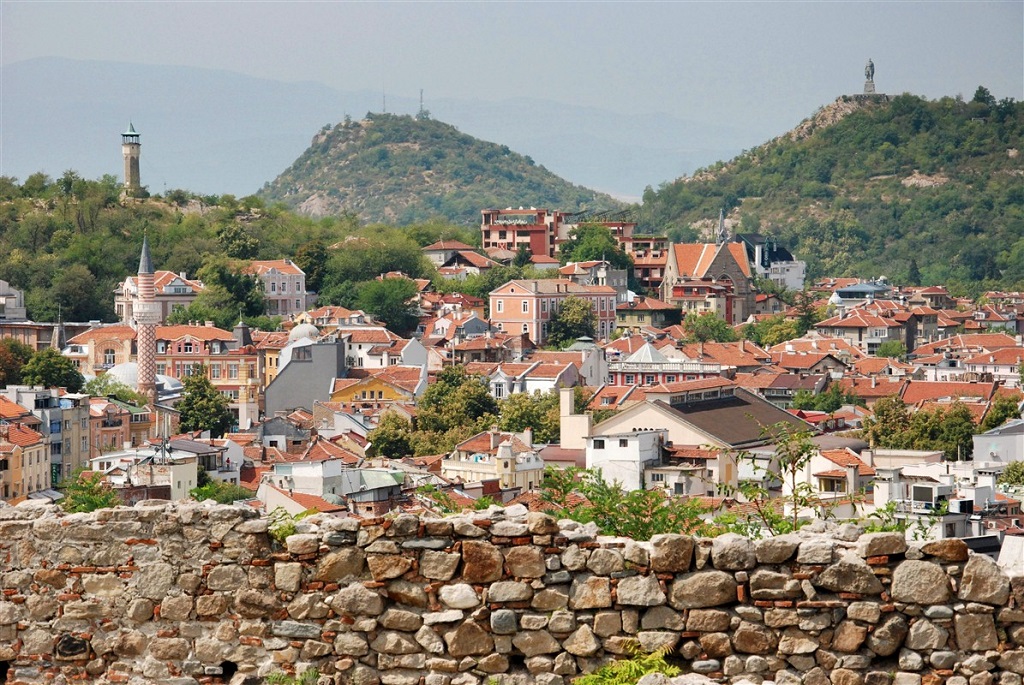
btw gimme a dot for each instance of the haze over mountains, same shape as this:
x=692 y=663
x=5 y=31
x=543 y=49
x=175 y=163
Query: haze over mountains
x=216 y=132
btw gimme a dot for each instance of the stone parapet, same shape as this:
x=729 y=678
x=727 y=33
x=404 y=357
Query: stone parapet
x=190 y=593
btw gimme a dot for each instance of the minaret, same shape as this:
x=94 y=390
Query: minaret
x=147 y=315
x=130 y=148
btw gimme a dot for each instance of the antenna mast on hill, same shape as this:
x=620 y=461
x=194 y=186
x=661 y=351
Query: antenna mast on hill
x=384 y=101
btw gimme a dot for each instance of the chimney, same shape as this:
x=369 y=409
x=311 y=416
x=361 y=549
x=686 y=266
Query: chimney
x=873 y=381
x=743 y=345
x=852 y=471
x=495 y=436
x=528 y=436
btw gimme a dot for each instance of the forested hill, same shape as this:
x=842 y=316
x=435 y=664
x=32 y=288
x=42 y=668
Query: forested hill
x=867 y=186
x=399 y=169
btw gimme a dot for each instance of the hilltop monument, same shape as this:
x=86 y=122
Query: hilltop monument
x=869 y=75
x=131 y=148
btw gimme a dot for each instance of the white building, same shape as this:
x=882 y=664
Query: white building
x=624 y=457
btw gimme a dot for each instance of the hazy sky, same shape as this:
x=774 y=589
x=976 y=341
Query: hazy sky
x=756 y=65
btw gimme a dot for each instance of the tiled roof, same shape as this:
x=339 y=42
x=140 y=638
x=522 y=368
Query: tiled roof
x=694 y=259
x=481 y=442
x=645 y=304
x=369 y=335
x=1012 y=356
x=846 y=458
x=553 y=286
x=978 y=341
x=800 y=360
x=477 y=260
x=447 y=245
x=859 y=319
x=21 y=435
x=743 y=353
x=323 y=450
x=12 y=410
x=533 y=502
x=284 y=266
x=872 y=387
x=688 y=386
x=919 y=391
x=308 y=502
x=836 y=346
x=196 y=332
x=115 y=332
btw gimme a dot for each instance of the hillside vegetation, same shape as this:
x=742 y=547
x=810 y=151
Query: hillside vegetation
x=401 y=169
x=867 y=186
x=67 y=243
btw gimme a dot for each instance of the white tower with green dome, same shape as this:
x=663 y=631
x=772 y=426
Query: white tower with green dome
x=131 y=148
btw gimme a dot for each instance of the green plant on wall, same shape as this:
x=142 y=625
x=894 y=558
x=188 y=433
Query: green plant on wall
x=307 y=678
x=282 y=524
x=629 y=671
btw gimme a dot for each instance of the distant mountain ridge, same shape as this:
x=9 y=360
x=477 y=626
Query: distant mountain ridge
x=214 y=132
x=399 y=169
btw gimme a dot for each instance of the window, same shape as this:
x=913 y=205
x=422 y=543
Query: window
x=161 y=347
x=273 y=287
x=526 y=306
x=671 y=378
x=630 y=379
x=623 y=442
x=232 y=370
x=657 y=477
x=215 y=371
x=298 y=305
x=109 y=355
x=187 y=347
x=499 y=305
x=598 y=444
x=543 y=305
x=161 y=369
x=649 y=379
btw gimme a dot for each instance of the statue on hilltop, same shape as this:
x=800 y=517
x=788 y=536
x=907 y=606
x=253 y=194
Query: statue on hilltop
x=869 y=74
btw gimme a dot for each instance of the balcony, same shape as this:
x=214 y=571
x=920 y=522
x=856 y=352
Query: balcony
x=671 y=366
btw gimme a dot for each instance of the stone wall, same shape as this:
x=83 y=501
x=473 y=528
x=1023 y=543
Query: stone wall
x=186 y=593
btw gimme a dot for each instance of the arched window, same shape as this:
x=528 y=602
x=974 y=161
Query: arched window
x=109 y=356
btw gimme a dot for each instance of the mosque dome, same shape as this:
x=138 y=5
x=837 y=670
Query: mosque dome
x=304 y=330
x=126 y=374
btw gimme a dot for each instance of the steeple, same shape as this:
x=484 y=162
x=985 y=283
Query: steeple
x=145 y=261
x=722 y=235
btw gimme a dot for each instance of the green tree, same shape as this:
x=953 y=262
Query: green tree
x=914 y=273
x=888 y=427
x=1002 y=410
x=311 y=257
x=523 y=257
x=50 y=369
x=86 y=493
x=455 y=397
x=220 y=492
x=807 y=313
x=575 y=318
x=108 y=386
x=771 y=331
x=538 y=412
x=708 y=327
x=892 y=349
x=1013 y=474
x=957 y=432
x=202 y=407
x=390 y=300
x=392 y=437
x=13 y=356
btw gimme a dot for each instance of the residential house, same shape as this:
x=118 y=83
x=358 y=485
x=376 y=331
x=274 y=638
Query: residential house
x=589 y=360
x=772 y=261
x=641 y=312
x=284 y=286
x=24 y=461
x=781 y=388
x=505 y=379
x=809 y=362
x=325 y=317
x=1004 y=365
x=863 y=330
x=509 y=457
x=528 y=306
x=597 y=272
x=155 y=472
x=377 y=387
x=441 y=252
x=840 y=348
x=648 y=366
x=377 y=347
x=625 y=457
x=173 y=291
x=109 y=426
x=305 y=375
x=873 y=388
x=743 y=355
x=12 y=303
x=650 y=258
x=62 y=421
x=1003 y=444
x=491 y=347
